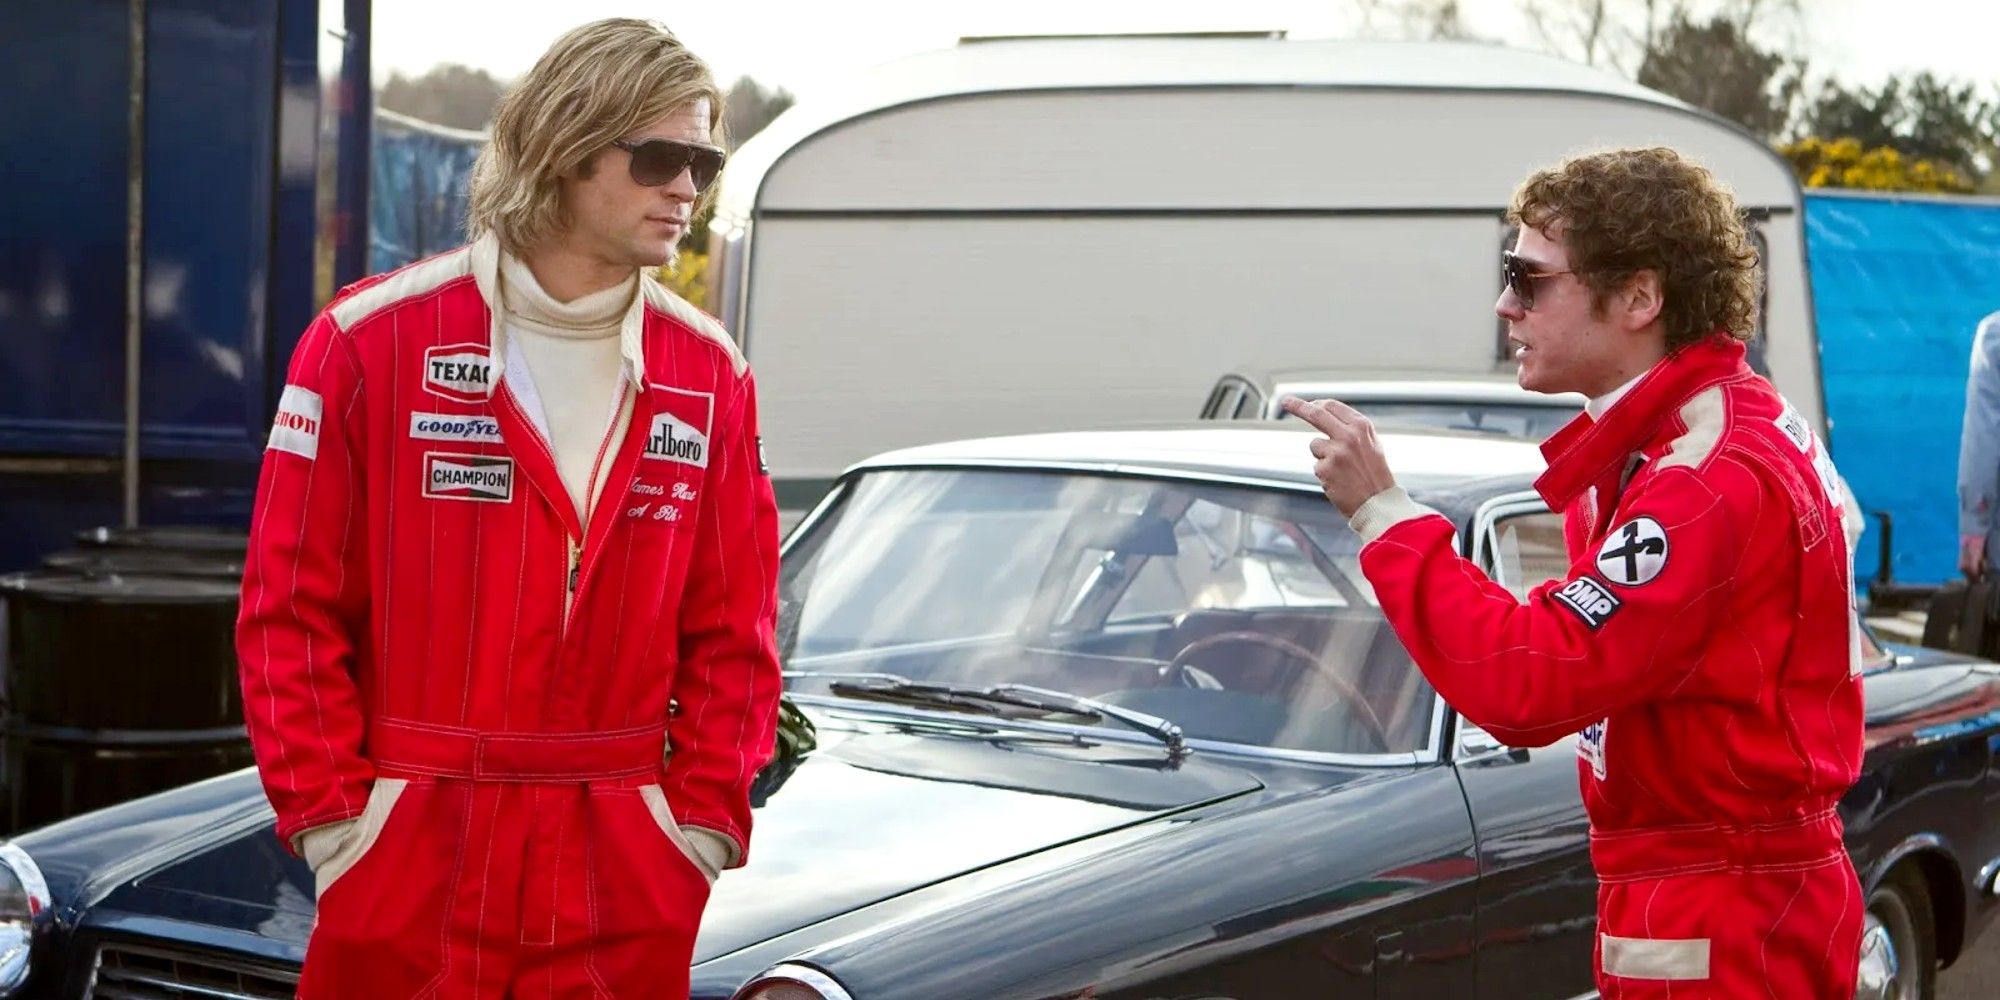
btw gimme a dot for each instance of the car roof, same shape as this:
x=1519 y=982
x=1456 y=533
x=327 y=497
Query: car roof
x=1273 y=453
x=1312 y=383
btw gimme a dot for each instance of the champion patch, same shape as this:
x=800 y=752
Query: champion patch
x=1634 y=553
x=463 y=372
x=1589 y=600
x=454 y=427
x=484 y=478
x=763 y=462
x=679 y=432
x=296 y=426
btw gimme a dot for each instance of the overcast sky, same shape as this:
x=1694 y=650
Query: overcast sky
x=800 y=44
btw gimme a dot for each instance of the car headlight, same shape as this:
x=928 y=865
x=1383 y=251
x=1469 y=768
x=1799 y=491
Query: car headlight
x=24 y=911
x=791 y=981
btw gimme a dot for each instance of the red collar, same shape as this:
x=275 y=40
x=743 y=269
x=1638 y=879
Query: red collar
x=1585 y=449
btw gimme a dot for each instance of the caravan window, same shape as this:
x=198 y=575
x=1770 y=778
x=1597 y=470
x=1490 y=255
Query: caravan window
x=1251 y=405
x=1223 y=399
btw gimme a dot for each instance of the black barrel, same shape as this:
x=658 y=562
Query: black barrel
x=189 y=538
x=116 y=686
x=147 y=562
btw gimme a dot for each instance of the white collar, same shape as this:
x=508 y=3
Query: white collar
x=486 y=254
x=1601 y=405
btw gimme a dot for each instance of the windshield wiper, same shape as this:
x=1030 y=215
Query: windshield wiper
x=1166 y=732
x=892 y=688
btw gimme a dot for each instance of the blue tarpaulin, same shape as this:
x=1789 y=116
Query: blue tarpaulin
x=1899 y=284
x=418 y=180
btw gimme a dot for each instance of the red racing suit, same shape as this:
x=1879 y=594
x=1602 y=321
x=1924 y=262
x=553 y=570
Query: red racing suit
x=1705 y=645
x=522 y=709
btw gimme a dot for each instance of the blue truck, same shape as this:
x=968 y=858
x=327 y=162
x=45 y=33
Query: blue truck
x=185 y=184
x=160 y=250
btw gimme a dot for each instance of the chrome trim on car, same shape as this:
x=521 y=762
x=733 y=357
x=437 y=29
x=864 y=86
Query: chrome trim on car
x=803 y=975
x=144 y=972
x=17 y=966
x=833 y=496
x=1491 y=511
x=1988 y=881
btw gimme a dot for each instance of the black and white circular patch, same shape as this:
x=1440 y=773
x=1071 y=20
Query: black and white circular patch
x=1634 y=552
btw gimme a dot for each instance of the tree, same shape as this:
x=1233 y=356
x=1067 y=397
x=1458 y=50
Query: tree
x=1425 y=20
x=446 y=94
x=1715 y=66
x=1584 y=30
x=1624 y=34
x=1922 y=117
x=749 y=106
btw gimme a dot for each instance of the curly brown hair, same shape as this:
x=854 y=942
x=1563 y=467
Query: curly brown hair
x=1624 y=211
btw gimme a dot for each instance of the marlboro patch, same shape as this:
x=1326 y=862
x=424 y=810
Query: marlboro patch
x=449 y=476
x=680 y=428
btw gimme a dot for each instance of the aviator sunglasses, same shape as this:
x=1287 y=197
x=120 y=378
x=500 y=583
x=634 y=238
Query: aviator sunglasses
x=1521 y=277
x=659 y=161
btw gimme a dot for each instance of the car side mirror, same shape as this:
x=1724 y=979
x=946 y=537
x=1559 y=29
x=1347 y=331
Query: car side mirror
x=1478 y=748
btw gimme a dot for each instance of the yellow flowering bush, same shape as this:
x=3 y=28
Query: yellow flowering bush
x=1843 y=163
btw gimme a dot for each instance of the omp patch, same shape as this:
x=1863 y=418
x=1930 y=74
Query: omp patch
x=454 y=427
x=680 y=426
x=484 y=478
x=296 y=426
x=1634 y=552
x=1590 y=746
x=458 y=371
x=1589 y=600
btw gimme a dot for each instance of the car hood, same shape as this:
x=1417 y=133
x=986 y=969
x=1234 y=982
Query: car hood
x=883 y=806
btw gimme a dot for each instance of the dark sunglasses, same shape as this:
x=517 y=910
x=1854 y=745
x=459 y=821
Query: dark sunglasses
x=1521 y=277
x=659 y=161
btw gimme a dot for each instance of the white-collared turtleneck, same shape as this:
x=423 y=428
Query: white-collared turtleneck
x=574 y=355
x=1597 y=407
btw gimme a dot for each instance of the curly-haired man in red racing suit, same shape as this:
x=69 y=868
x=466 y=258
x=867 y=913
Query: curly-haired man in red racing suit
x=1703 y=641
x=507 y=630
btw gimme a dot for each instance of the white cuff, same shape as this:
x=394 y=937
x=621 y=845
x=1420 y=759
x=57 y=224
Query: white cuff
x=1383 y=511
x=717 y=850
x=319 y=843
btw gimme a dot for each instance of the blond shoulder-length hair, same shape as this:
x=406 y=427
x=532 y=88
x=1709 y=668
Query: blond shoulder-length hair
x=598 y=83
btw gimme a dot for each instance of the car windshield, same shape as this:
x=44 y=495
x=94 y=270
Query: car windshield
x=1238 y=613
x=1528 y=421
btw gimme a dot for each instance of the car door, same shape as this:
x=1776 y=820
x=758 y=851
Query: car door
x=1537 y=892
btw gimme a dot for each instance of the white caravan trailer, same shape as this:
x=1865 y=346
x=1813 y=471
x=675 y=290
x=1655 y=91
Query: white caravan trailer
x=1025 y=235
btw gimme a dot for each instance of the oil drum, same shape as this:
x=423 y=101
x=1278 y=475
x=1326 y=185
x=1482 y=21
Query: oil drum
x=147 y=562
x=190 y=538
x=115 y=686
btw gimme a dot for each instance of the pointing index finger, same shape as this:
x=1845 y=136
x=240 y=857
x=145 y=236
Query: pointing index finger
x=1315 y=412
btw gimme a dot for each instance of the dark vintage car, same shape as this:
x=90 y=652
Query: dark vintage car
x=1107 y=715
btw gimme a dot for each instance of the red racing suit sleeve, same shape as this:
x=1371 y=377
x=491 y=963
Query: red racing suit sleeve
x=727 y=683
x=1627 y=625
x=304 y=608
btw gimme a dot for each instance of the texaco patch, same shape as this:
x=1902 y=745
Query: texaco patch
x=1634 y=553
